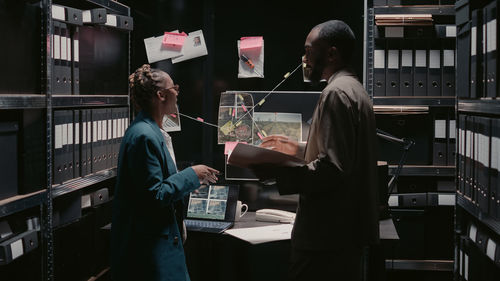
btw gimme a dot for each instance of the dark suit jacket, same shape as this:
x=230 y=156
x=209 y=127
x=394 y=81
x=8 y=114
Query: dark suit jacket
x=338 y=202
x=145 y=239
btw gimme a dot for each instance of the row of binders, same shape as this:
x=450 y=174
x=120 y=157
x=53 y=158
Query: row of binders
x=65 y=42
x=411 y=67
x=14 y=244
x=477 y=43
x=478 y=256
x=444 y=141
x=86 y=141
x=411 y=2
x=478 y=162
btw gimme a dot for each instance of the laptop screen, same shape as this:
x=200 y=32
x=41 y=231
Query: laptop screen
x=213 y=202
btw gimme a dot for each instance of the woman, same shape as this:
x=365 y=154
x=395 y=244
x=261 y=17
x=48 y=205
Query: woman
x=146 y=243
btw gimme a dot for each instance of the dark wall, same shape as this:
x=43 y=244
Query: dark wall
x=284 y=26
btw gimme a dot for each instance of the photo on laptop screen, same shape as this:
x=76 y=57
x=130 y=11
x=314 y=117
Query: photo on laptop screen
x=208 y=202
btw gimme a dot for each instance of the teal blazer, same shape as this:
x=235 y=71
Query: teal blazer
x=145 y=239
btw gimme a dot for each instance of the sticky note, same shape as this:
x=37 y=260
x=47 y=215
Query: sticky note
x=261 y=102
x=200 y=119
x=251 y=43
x=239 y=123
x=229 y=147
x=244 y=107
x=174 y=40
x=286 y=75
x=240 y=97
x=233 y=112
x=260 y=136
x=227 y=128
x=173 y=115
x=264 y=133
x=230 y=111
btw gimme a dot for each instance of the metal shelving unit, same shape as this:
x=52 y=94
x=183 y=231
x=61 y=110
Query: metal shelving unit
x=89 y=101
x=22 y=101
x=474 y=210
x=443 y=10
x=480 y=107
x=415 y=101
x=19 y=203
x=81 y=183
x=427 y=171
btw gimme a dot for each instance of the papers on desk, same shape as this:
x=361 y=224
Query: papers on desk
x=262 y=234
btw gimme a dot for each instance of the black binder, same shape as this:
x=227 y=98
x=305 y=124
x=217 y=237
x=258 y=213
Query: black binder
x=379 y=72
x=392 y=70
x=448 y=70
x=451 y=151
x=461 y=153
x=57 y=87
x=109 y=138
x=420 y=70
x=491 y=49
x=406 y=72
x=94 y=140
x=65 y=59
x=463 y=61
x=469 y=150
x=58 y=163
x=68 y=145
x=434 y=70
x=94 y=16
x=75 y=62
x=476 y=48
x=77 y=143
x=482 y=148
x=120 y=22
x=439 y=149
x=494 y=170
x=87 y=143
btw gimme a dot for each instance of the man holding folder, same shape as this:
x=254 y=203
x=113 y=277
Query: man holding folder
x=337 y=214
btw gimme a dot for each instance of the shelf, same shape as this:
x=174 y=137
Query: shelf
x=443 y=10
x=88 y=101
x=482 y=106
x=22 y=101
x=437 y=171
x=424 y=265
x=415 y=101
x=476 y=212
x=421 y=200
x=80 y=183
x=19 y=203
x=113 y=6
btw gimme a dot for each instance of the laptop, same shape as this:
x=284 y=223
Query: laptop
x=211 y=208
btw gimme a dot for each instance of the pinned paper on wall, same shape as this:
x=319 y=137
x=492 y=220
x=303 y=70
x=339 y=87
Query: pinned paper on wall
x=155 y=50
x=172 y=122
x=251 y=45
x=174 y=40
x=194 y=46
x=251 y=61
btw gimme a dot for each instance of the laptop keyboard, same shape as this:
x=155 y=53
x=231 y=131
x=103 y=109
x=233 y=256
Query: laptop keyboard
x=207 y=226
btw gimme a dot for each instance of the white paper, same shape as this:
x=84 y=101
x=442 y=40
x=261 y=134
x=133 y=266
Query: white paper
x=446 y=199
x=17 y=249
x=262 y=234
x=467 y=143
x=491 y=246
x=68 y=47
x=485 y=42
x=451 y=31
x=104 y=130
x=244 y=71
x=393 y=201
x=76 y=50
x=58 y=137
x=461 y=261
x=94 y=131
x=491 y=33
x=453 y=128
x=473 y=232
x=57 y=47
x=394 y=32
x=495 y=152
x=70 y=133
x=155 y=51
x=393 y=59
x=379 y=59
x=434 y=59
x=86 y=16
x=115 y=127
x=111 y=20
x=89 y=132
x=466 y=267
x=407 y=58
x=64 y=48
x=191 y=48
x=420 y=58
x=58 y=13
x=86 y=201
x=84 y=132
x=64 y=134
x=110 y=130
x=473 y=36
x=99 y=130
x=440 y=129
x=448 y=57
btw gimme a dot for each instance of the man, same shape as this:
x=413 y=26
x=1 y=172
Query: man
x=337 y=215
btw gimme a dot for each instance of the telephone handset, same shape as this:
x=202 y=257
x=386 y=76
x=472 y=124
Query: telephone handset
x=273 y=215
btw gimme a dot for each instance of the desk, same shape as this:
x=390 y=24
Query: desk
x=223 y=257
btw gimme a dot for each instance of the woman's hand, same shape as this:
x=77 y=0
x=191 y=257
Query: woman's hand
x=205 y=174
x=281 y=143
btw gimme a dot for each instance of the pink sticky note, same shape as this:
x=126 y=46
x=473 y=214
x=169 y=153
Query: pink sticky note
x=173 y=115
x=233 y=113
x=200 y=119
x=260 y=136
x=174 y=40
x=244 y=108
x=229 y=146
x=251 y=44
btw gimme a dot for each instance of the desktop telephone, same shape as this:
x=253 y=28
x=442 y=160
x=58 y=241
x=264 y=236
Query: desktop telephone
x=273 y=215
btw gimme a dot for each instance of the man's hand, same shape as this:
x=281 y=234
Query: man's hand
x=205 y=174
x=281 y=143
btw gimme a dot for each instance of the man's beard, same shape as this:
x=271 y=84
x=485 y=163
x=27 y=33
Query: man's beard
x=317 y=72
